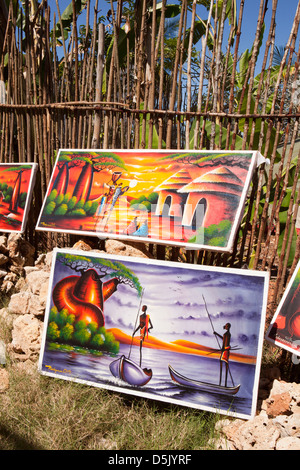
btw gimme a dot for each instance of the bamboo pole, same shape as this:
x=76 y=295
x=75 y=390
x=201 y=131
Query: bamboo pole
x=174 y=76
x=99 y=82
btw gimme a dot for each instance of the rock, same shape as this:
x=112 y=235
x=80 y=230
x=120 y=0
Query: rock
x=281 y=393
x=20 y=285
x=8 y=284
x=115 y=247
x=11 y=277
x=40 y=260
x=289 y=425
x=278 y=404
x=6 y=317
x=26 y=338
x=81 y=245
x=288 y=443
x=26 y=302
x=20 y=251
x=36 y=280
x=276 y=427
x=4 y=380
x=257 y=434
x=3 y=244
x=3 y=259
x=2 y=352
x=2 y=273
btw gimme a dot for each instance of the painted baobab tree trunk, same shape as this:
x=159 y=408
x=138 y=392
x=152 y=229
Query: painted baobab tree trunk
x=14 y=203
x=83 y=186
x=62 y=179
x=84 y=296
x=64 y=298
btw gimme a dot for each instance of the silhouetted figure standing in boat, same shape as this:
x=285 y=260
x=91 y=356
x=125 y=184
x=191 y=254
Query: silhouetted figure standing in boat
x=225 y=351
x=145 y=326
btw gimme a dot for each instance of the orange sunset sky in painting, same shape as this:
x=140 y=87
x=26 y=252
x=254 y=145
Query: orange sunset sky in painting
x=10 y=177
x=144 y=172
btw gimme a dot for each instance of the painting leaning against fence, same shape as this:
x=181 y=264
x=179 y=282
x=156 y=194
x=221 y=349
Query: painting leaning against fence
x=16 y=184
x=184 y=334
x=183 y=198
x=284 y=329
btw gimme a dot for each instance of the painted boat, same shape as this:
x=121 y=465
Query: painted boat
x=125 y=369
x=201 y=386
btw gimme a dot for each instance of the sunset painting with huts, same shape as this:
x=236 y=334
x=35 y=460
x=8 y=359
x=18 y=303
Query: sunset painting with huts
x=16 y=182
x=189 y=198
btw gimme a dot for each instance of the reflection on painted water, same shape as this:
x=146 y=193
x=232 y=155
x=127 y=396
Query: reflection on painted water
x=95 y=371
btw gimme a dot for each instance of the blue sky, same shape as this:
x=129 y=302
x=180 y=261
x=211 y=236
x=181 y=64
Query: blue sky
x=286 y=10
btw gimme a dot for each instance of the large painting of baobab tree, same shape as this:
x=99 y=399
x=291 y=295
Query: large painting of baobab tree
x=174 y=332
x=16 y=184
x=185 y=198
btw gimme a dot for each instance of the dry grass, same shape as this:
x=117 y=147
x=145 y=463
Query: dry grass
x=38 y=412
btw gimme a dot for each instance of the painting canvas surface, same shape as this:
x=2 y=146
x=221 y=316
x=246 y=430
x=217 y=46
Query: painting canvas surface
x=184 y=198
x=284 y=329
x=16 y=184
x=149 y=328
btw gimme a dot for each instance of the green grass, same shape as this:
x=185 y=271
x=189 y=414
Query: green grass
x=44 y=413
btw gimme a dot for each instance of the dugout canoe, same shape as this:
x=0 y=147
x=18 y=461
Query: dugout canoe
x=192 y=384
x=127 y=370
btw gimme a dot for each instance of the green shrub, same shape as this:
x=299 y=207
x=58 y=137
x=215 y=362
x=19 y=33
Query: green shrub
x=67 y=198
x=59 y=199
x=53 y=331
x=72 y=202
x=66 y=332
x=52 y=196
x=80 y=204
x=87 y=206
x=93 y=208
x=61 y=210
x=97 y=341
x=49 y=209
x=77 y=213
x=82 y=336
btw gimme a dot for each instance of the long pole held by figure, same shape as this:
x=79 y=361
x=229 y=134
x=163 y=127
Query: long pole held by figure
x=137 y=316
x=216 y=335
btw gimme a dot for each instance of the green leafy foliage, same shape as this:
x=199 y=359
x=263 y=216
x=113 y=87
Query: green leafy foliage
x=65 y=330
x=7 y=193
x=144 y=202
x=214 y=235
x=67 y=206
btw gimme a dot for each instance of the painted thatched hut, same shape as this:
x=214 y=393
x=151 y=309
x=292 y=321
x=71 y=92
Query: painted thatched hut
x=170 y=201
x=215 y=195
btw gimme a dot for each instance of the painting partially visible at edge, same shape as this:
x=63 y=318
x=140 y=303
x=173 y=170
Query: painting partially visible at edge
x=184 y=198
x=184 y=334
x=16 y=185
x=284 y=329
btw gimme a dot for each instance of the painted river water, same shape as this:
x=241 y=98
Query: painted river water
x=94 y=370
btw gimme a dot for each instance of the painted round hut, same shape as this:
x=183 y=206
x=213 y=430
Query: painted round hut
x=214 y=195
x=170 y=203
